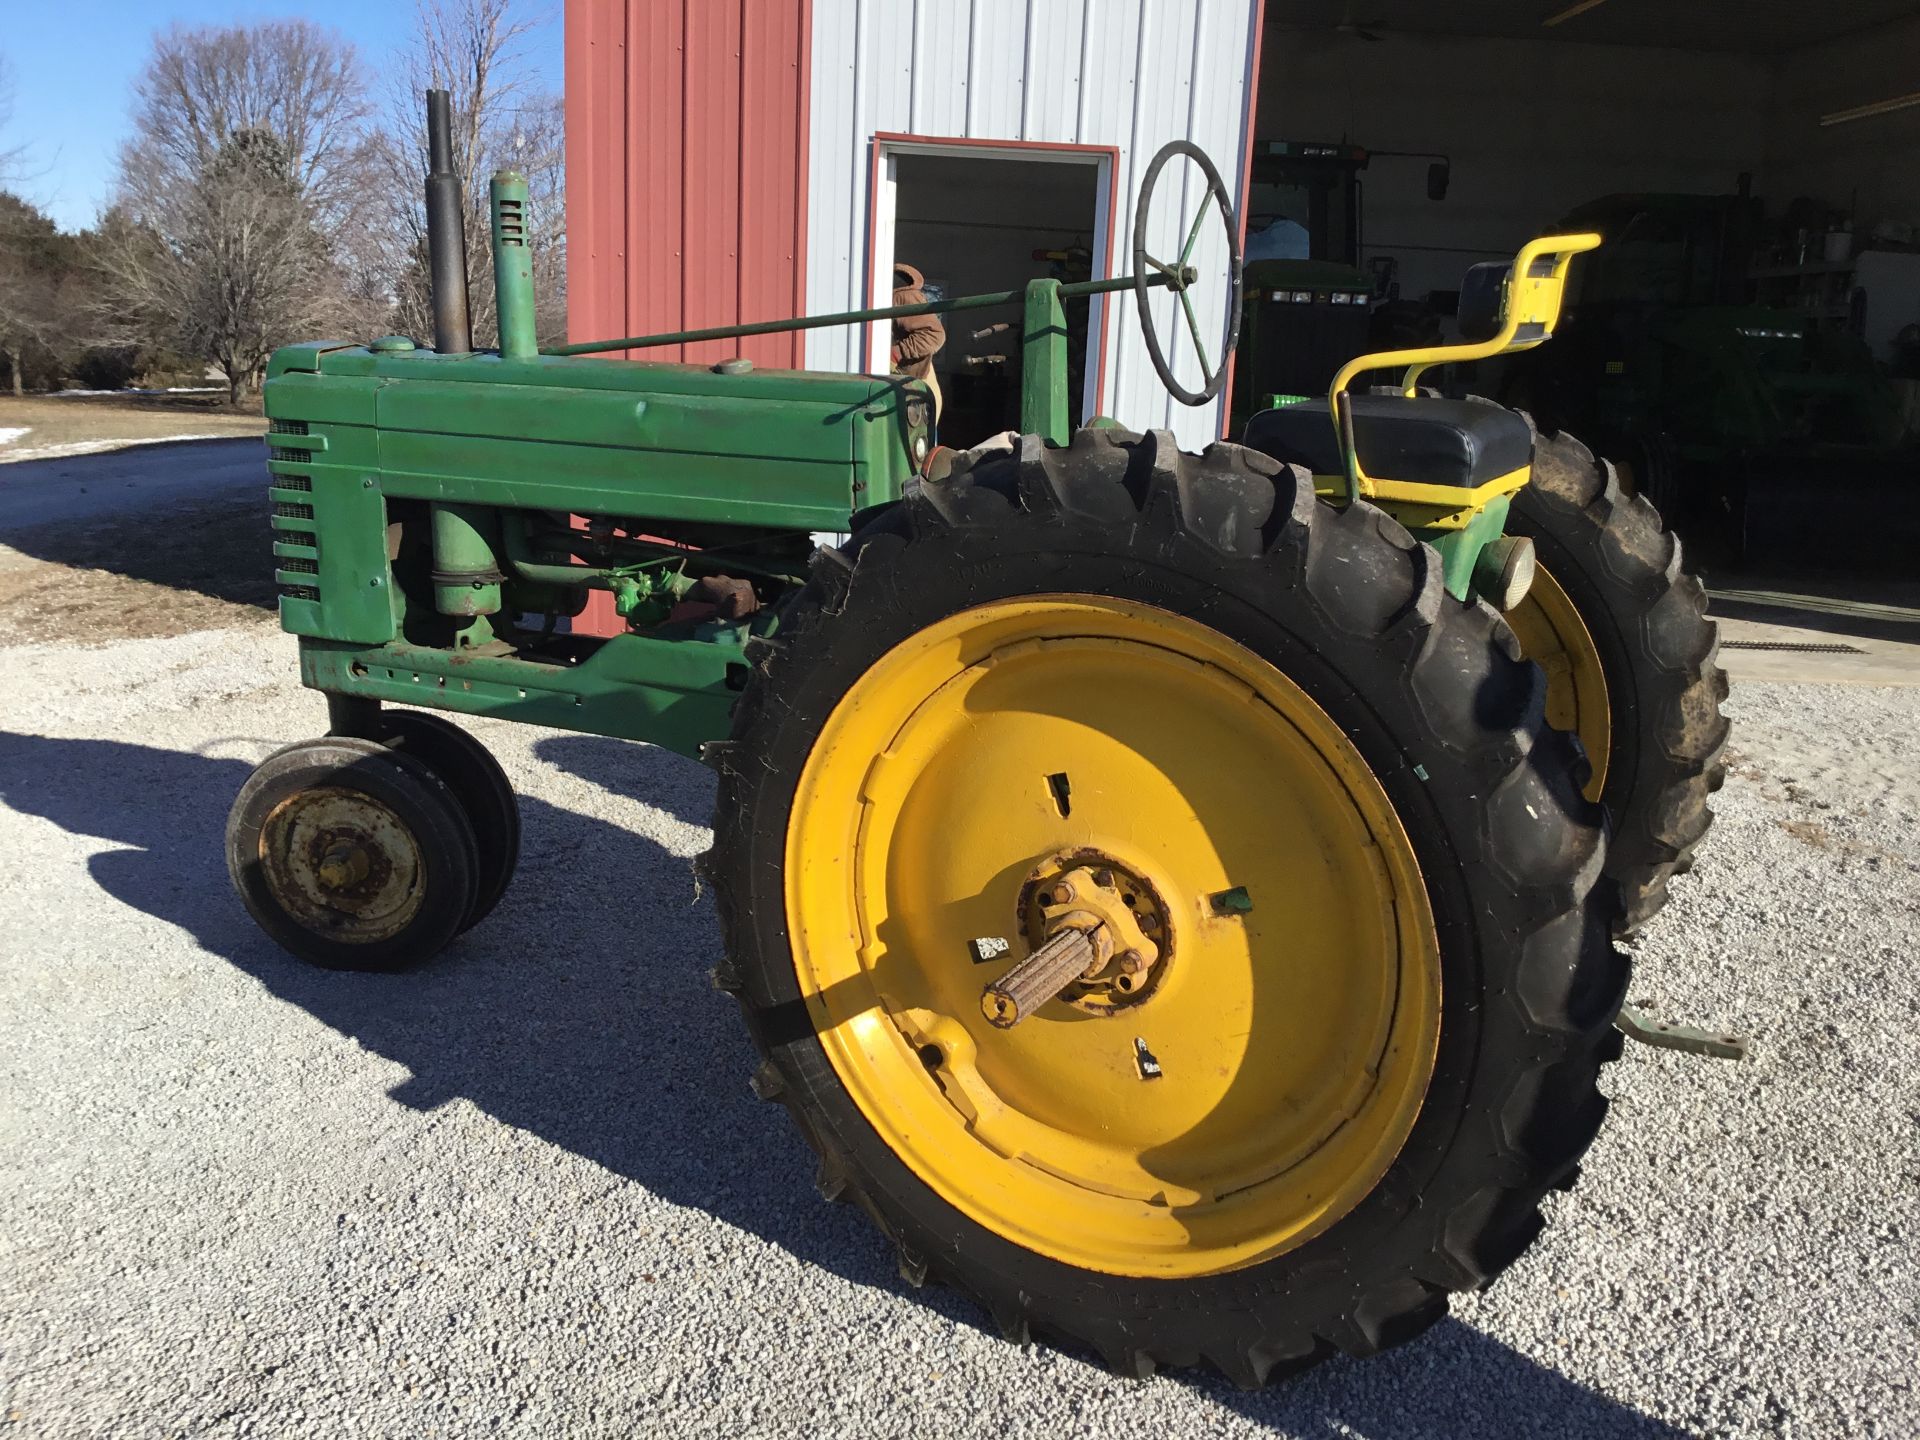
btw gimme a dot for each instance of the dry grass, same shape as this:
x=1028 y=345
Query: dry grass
x=80 y=419
x=89 y=582
x=99 y=580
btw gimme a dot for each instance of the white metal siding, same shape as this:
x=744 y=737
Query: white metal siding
x=1127 y=73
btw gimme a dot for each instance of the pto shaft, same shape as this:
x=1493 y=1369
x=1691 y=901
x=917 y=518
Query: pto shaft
x=1038 y=978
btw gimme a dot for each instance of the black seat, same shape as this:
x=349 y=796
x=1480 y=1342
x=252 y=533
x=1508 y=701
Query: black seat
x=1427 y=441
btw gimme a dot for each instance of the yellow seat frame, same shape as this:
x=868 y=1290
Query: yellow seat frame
x=1532 y=309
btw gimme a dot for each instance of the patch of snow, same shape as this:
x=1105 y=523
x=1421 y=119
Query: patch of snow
x=98 y=447
x=11 y=433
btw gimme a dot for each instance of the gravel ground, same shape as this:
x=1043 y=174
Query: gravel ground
x=526 y=1189
x=132 y=483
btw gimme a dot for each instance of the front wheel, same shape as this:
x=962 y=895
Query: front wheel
x=352 y=856
x=1344 y=1027
x=481 y=787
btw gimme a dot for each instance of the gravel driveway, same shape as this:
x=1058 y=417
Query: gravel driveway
x=527 y=1190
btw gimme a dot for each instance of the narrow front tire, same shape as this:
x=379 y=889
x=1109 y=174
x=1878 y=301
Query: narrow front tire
x=352 y=856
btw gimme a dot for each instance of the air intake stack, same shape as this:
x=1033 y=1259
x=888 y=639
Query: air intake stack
x=512 y=266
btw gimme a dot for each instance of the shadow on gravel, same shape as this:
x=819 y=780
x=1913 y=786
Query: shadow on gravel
x=190 y=517
x=679 y=787
x=1830 y=617
x=581 y=1012
x=221 y=548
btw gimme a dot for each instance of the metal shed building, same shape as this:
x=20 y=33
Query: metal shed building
x=738 y=160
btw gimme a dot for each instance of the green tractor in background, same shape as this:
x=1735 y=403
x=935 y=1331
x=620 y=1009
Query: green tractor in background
x=1737 y=419
x=1155 y=883
x=1308 y=305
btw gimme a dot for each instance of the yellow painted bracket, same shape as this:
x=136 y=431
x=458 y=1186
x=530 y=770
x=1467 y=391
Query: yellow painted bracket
x=1532 y=309
x=1426 y=507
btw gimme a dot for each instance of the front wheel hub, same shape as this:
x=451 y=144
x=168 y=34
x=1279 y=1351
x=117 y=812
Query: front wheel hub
x=343 y=864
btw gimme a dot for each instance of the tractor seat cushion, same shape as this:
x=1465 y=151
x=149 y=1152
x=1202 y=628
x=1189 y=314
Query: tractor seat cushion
x=1425 y=441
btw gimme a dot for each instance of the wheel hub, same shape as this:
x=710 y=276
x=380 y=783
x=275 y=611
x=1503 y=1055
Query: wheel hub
x=1118 y=910
x=345 y=864
x=342 y=864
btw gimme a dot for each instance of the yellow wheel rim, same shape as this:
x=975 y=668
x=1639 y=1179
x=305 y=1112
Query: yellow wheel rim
x=1294 y=1042
x=1555 y=638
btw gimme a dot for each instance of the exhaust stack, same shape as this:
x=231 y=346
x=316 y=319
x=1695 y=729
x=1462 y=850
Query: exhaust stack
x=446 y=233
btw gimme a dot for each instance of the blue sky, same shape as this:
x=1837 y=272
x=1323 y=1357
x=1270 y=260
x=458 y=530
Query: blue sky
x=73 y=64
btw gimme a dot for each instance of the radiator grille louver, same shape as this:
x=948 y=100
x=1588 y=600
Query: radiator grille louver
x=292 y=510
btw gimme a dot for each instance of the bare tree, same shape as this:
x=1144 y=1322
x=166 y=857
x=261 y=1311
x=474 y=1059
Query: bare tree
x=286 y=78
x=30 y=286
x=242 y=178
x=10 y=158
x=475 y=50
x=230 y=267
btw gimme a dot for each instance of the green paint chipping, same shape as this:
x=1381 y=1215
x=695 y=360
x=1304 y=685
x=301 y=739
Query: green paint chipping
x=1232 y=902
x=675 y=692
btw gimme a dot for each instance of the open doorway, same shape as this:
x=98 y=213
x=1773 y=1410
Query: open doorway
x=973 y=218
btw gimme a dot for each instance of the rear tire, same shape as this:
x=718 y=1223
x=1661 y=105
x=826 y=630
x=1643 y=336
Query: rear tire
x=1445 y=717
x=1647 y=619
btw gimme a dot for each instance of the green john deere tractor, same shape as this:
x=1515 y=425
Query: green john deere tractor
x=1739 y=420
x=1153 y=881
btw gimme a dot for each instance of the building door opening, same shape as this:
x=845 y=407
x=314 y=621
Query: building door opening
x=973 y=219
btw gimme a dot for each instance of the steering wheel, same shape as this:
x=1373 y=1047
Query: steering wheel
x=1150 y=274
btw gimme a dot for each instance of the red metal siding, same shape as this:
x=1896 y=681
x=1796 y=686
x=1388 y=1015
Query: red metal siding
x=596 y=224
x=686 y=170
x=686 y=178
